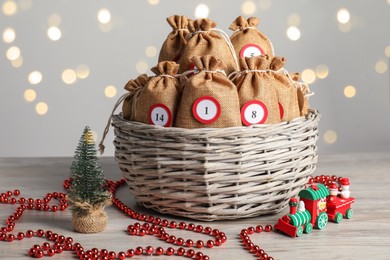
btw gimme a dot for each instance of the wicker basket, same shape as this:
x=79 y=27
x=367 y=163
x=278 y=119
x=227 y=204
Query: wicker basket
x=212 y=174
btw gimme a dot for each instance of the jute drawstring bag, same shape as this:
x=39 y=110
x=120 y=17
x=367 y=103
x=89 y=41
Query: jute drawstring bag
x=87 y=217
x=204 y=39
x=176 y=39
x=248 y=40
x=285 y=89
x=157 y=102
x=303 y=92
x=256 y=91
x=133 y=86
x=210 y=99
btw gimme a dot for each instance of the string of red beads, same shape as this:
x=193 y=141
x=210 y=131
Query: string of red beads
x=152 y=226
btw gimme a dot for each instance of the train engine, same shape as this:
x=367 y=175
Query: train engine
x=312 y=212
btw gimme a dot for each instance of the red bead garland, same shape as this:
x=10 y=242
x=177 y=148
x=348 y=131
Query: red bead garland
x=153 y=226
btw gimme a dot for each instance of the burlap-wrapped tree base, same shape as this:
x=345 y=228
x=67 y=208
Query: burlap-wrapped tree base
x=91 y=222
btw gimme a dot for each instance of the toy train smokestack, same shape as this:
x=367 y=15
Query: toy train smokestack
x=293 y=205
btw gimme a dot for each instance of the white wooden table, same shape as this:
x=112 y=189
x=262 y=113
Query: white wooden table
x=365 y=236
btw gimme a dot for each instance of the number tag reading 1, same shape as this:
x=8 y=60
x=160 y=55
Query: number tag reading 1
x=160 y=114
x=254 y=112
x=206 y=109
x=251 y=50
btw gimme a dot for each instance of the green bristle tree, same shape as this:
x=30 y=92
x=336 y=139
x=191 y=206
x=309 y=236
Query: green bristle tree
x=88 y=188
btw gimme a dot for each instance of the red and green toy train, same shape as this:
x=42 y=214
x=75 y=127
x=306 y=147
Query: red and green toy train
x=316 y=206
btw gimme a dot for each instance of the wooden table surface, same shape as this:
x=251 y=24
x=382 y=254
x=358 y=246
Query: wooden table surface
x=366 y=235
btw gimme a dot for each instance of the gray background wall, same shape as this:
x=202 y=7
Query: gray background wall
x=356 y=53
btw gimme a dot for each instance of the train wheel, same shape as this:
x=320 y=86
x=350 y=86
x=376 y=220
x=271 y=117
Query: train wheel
x=322 y=220
x=299 y=231
x=338 y=218
x=349 y=213
x=308 y=228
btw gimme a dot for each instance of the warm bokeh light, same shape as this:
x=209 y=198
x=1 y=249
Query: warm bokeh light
x=322 y=71
x=387 y=50
x=41 y=108
x=308 y=76
x=202 y=11
x=69 y=76
x=141 y=67
x=54 y=20
x=381 y=67
x=293 y=33
x=9 y=35
x=343 y=16
x=248 y=7
x=82 y=71
x=35 y=77
x=104 y=16
x=13 y=53
x=54 y=33
x=349 y=91
x=294 y=20
x=110 y=91
x=17 y=63
x=153 y=2
x=10 y=8
x=29 y=95
x=330 y=137
x=151 y=51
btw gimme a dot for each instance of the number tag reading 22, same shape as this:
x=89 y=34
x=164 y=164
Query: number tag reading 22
x=160 y=114
x=206 y=109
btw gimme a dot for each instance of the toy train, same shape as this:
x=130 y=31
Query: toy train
x=317 y=205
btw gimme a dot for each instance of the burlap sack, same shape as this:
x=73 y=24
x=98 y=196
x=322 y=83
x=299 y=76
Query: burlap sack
x=285 y=89
x=176 y=39
x=93 y=222
x=248 y=40
x=133 y=86
x=303 y=92
x=204 y=39
x=210 y=83
x=163 y=91
x=255 y=84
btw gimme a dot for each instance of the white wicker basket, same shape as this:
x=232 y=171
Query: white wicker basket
x=212 y=174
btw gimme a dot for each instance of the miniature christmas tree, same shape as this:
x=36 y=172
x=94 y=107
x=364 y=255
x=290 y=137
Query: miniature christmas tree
x=88 y=194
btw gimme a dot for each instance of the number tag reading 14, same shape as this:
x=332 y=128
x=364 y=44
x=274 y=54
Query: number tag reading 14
x=254 y=112
x=206 y=109
x=160 y=114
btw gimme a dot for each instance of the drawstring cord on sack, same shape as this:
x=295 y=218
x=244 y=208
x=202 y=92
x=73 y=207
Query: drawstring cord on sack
x=107 y=128
x=224 y=36
x=134 y=94
x=235 y=74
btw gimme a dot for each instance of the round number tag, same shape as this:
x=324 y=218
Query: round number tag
x=251 y=50
x=160 y=114
x=281 y=110
x=206 y=109
x=254 y=112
